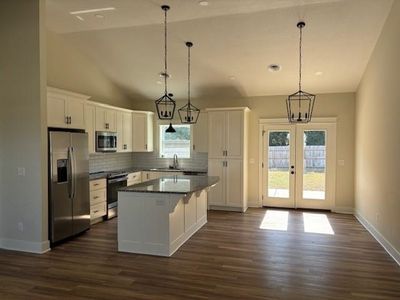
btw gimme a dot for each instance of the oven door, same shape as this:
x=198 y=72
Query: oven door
x=113 y=185
x=106 y=141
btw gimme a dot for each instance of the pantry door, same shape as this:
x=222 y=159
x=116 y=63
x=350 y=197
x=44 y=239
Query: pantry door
x=298 y=165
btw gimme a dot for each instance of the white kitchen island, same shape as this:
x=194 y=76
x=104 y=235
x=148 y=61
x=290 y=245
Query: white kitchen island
x=156 y=217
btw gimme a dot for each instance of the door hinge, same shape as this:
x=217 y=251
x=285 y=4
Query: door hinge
x=263 y=132
x=262 y=165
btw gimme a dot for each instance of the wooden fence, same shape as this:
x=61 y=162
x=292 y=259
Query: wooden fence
x=315 y=157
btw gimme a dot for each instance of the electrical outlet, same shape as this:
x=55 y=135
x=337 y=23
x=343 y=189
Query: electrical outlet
x=21 y=226
x=21 y=171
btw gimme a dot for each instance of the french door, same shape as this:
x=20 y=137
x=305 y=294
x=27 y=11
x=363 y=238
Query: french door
x=299 y=165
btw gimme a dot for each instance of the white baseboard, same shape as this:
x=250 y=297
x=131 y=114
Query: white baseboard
x=343 y=210
x=25 y=246
x=393 y=252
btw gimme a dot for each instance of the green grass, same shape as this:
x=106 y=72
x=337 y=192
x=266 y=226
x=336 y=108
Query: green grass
x=312 y=181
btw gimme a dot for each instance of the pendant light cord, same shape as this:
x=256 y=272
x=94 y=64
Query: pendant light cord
x=165 y=52
x=300 y=56
x=189 y=76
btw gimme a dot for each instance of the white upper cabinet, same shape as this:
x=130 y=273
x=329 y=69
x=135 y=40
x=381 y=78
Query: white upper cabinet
x=124 y=131
x=225 y=133
x=106 y=119
x=90 y=121
x=216 y=134
x=65 y=109
x=200 y=133
x=142 y=131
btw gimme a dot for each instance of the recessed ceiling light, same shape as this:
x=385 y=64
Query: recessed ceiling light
x=232 y=77
x=274 y=68
x=80 y=18
x=203 y=3
x=99 y=16
x=319 y=73
x=90 y=11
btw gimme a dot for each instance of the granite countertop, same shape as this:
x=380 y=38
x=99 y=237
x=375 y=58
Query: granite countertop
x=95 y=176
x=180 y=184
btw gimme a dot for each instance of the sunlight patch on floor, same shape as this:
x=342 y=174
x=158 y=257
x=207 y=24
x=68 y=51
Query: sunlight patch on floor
x=317 y=223
x=275 y=220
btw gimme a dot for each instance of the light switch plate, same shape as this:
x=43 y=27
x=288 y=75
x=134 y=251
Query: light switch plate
x=21 y=171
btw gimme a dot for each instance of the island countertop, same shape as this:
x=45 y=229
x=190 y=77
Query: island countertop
x=181 y=184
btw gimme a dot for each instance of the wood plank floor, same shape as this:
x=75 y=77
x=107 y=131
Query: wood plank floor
x=229 y=258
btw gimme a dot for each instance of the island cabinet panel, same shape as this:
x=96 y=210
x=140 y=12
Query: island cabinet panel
x=158 y=223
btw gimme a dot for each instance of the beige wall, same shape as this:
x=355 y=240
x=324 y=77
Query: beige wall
x=327 y=105
x=377 y=193
x=23 y=216
x=68 y=68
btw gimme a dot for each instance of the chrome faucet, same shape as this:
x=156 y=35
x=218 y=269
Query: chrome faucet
x=175 y=164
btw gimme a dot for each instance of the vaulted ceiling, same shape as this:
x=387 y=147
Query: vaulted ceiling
x=234 y=42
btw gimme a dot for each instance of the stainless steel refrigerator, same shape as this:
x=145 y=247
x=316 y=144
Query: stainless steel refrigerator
x=69 y=204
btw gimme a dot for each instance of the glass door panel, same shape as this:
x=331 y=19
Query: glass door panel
x=314 y=164
x=278 y=164
x=278 y=172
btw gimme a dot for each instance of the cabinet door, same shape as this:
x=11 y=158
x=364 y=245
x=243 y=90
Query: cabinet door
x=56 y=114
x=127 y=131
x=111 y=119
x=234 y=134
x=76 y=112
x=200 y=133
x=139 y=132
x=216 y=134
x=216 y=195
x=100 y=119
x=149 y=132
x=120 y=132
x=234 y=182
x=90 y=124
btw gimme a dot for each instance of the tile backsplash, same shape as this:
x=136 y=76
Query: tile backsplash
x=113 y=161
x=110 y=161
x=198 y=161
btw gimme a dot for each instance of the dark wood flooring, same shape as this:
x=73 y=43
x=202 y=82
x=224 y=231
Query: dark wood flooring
x=229 y=258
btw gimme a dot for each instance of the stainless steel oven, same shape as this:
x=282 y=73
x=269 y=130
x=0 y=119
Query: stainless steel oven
x=114 y=183
x=106 y=141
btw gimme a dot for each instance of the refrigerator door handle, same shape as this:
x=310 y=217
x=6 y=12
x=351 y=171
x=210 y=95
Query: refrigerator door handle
x=73 y=164
x=70 y=174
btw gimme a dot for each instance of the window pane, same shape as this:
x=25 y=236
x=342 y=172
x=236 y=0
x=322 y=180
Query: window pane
x=314 y=165
x=278 y=164
x=175 y=142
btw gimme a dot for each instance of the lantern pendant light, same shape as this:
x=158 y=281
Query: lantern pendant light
x=300 y=105
x=165 y=104
x=189 y=113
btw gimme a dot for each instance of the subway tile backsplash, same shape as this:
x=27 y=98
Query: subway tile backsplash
x=110 y=161
x=198 y=161
x=113 y=161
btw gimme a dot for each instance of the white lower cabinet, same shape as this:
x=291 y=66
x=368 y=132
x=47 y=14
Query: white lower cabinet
x=98 y=199
x=229 y=193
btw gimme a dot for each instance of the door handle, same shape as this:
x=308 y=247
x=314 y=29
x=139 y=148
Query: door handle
x=73 y=173
x=69 y=173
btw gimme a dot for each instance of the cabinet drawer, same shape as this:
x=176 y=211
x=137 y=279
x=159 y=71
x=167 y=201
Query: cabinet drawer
x=135 y=177
x=98 y=184
x=98 y=196
x=98 y=210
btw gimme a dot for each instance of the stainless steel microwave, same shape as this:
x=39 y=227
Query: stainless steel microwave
x=106 y=141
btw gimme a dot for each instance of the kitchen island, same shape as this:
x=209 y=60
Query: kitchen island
x=156 y=217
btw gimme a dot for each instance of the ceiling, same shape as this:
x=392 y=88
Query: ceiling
x=234 y=42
